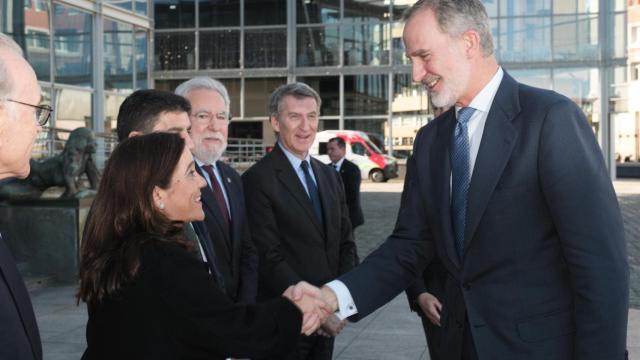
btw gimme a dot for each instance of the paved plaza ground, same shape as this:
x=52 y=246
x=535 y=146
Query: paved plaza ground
x=392 y=332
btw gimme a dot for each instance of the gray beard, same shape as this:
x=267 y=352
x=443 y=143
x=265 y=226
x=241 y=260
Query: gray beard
x=209 y=157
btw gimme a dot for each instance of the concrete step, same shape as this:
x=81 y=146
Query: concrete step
x=38 y=282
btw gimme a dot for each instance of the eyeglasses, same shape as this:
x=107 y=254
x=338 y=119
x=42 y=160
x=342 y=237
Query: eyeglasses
x=205 y=117
x=43 y=112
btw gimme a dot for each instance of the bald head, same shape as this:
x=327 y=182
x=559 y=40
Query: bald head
x=19 y=93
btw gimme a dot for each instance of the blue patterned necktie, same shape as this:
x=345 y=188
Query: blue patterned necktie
x=314 y=195
x=461 y=177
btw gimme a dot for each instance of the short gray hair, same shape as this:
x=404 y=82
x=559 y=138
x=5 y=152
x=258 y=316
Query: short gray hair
x=297 y=90
x=457 y=16
x=6 y=85
x=207 y=83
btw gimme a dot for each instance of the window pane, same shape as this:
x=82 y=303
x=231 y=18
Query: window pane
x=575 y=37
x=142 y=63
x=265 y=48
x=220 y=49
x=141 y=6
x=318 y=46
x=581 y=85
x=118 y=55
x=73 y=109
x=365 y=44
x=329 y=89
x=537 y=78
x=328 y=124
x=175 y=51
x=399 y=7
x=72 y=42
x=29 y=27
x=398 y=45
x=317 y=11
x=257 y=92
x=265 y=12
x=408 y=97
x=491 y=6
x=171 y=14
x=366 y=10
x=366 y=94
x=111 y=107
x=525 y=7
x=233 y=88
x=375 y=128
x=219 y=13
x=168 y=85
x=524 y=39
x=619 y=35
x=124 y=4
x=575 y=6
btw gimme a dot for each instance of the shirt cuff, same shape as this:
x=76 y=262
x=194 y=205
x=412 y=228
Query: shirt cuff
x=346 y=305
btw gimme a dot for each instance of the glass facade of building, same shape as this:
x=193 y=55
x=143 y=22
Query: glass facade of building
x=88 y=55
x=351 y=51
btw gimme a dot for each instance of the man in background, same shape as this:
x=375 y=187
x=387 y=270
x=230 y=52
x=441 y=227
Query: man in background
x=223 y=199
x=21 y=118
x=351 y=178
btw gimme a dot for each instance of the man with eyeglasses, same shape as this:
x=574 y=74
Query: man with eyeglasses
x=21 y=119
x=223 y=200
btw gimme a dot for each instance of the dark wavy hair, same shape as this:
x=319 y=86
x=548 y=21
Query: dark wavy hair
x=123 y=216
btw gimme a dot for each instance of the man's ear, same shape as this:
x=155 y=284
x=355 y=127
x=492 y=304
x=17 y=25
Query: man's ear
x=471 y=43
x=275 y=124
x=135 y=133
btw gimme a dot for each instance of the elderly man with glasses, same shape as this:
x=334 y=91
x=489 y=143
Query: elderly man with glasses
x=223 y=198
x=21 y=118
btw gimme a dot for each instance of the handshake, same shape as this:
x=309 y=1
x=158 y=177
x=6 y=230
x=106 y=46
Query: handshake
x=318 y=306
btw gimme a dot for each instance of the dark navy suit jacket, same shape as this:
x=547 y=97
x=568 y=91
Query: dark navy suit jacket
x=544 y=274
x=19 y=337
x=237 y=257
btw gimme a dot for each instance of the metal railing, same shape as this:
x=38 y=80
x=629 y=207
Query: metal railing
x=51 y=142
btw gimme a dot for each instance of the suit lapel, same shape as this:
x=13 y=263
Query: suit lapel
x=208 y=199
x=287 y=175
x=232 y=188
x=16 y=287
x=498 y=141
x=442 y=180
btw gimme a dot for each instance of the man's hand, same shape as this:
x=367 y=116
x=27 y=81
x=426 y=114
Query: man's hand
x=332 y=326
x=309 y=300
x=431 y=307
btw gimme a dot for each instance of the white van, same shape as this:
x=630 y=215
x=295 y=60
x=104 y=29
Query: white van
x=361 y=151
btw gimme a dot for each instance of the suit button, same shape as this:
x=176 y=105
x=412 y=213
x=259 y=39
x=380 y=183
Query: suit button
x=466 y=286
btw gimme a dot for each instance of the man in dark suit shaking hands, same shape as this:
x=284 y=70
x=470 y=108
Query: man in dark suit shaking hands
x=21 y=118
x=351 y=178
x=510 y=191
x=296 y=209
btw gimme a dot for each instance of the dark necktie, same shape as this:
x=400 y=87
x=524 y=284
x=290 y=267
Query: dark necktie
x=461 y=177
x=218 y=195
x=335 y=167
x=192 y=235
x=314 y=195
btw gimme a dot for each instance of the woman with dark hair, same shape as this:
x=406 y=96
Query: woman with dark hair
x=148 y=296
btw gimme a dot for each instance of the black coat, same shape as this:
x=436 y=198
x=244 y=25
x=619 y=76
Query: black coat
x=237 y=257
x=351 y=178
x=172 y=310
x=544 y=274
x=292 y=243
x=19 y=337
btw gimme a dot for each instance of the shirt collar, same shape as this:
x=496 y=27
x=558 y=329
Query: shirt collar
x=294 y=160
x=201 y=164
x=339 y=163
x=483 y=100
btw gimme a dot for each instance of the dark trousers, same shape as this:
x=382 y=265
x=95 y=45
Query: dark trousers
x=433 y=334
x=468 y=347
x=313 y=347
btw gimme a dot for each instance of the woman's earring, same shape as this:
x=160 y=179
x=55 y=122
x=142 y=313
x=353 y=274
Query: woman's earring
x=161 y=206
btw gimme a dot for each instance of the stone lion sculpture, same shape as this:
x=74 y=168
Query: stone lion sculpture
x=64 y=169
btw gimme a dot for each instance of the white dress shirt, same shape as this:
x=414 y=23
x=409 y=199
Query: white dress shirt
x=482 y=103
x=338 y=165
x=295 y=162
